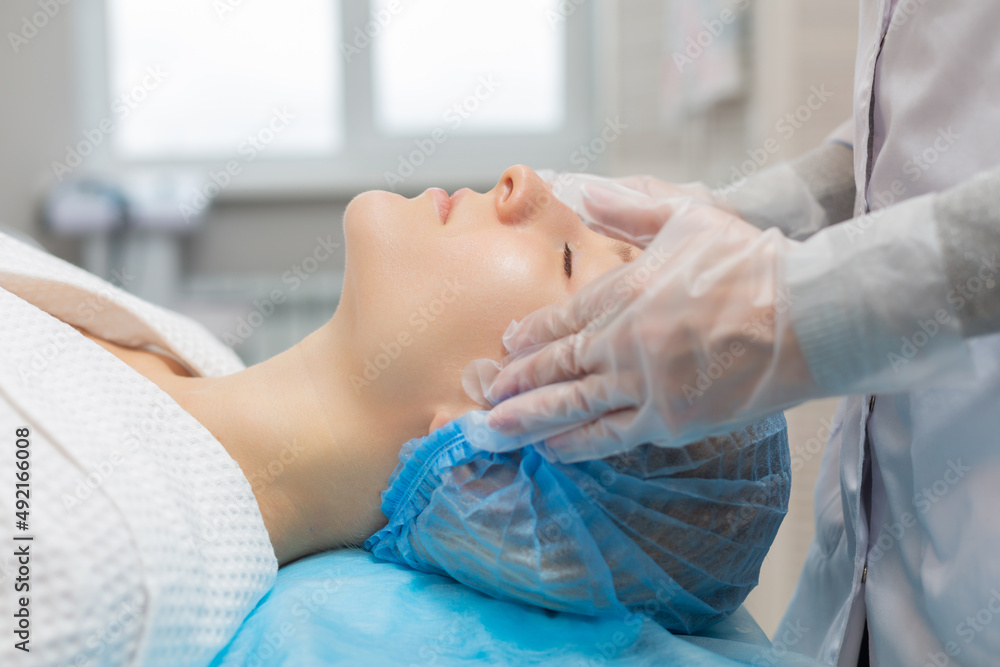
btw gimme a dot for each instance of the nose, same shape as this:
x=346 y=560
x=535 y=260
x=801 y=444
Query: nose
x=521 y=196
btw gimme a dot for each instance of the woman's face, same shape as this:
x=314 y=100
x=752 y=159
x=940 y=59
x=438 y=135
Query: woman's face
x=431 y=283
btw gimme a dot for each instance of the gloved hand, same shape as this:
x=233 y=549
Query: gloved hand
x=799 y=197
x=692 y=338
x=572 y=190
x=718 y=323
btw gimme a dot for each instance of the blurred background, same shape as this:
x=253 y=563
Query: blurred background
x=200 y=153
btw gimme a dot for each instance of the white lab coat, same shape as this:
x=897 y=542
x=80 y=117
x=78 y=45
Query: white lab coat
x=925 y=568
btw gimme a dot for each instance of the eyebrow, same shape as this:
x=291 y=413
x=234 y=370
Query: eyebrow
x=624 y=250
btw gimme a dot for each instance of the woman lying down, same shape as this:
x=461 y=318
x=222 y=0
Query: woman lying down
x=168 y=482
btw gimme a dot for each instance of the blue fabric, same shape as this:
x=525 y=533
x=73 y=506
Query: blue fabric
x=677 y=534
x=347 y=608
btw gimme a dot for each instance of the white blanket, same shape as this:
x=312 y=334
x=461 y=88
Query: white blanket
x=148 y=546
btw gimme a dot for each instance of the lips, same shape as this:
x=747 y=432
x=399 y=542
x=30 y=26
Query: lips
x=442 y=202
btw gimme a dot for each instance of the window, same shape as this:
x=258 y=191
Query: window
x=222 y=76
x=338 y=95
x=427 y=58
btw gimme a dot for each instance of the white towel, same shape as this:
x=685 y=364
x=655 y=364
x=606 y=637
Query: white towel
x=149 y=547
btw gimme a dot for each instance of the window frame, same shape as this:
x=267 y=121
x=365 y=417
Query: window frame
x=365 y=154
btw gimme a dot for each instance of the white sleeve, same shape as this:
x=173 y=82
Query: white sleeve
x=802 y=196
x=884 y=302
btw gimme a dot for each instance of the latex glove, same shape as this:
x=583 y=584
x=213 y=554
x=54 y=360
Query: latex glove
x=692 y=338
x=572 y=190
x=799 y=197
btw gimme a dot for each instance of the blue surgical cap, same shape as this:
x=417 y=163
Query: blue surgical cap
x=675 y=533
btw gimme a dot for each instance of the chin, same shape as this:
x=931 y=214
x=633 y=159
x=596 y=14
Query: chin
x=366 y=208
x=371 y=229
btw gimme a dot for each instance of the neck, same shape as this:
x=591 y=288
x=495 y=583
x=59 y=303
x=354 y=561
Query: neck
x=316 y=460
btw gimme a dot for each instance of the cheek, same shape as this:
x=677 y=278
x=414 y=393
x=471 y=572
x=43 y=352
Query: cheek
x=457 y=299
x=418 y=305
x=501 y=280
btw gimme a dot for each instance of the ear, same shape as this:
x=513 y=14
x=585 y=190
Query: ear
x=441 y=417
x=447 y=413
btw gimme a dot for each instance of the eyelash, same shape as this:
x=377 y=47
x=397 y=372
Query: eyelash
x=568 y=261
x=625 y=251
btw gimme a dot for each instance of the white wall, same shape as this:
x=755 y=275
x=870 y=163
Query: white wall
x=36 y=114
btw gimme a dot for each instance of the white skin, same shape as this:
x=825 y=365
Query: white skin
x=315 y=436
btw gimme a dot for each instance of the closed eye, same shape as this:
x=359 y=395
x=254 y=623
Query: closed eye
x=568 y=261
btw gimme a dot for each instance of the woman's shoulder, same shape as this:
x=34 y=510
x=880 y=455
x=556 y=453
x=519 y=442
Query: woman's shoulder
x=104 y=309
